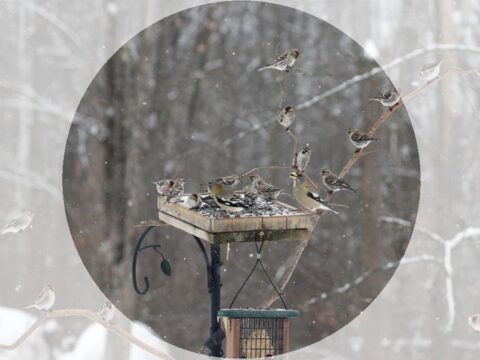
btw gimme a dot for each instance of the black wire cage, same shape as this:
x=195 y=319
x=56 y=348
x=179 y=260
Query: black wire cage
x=256 y=333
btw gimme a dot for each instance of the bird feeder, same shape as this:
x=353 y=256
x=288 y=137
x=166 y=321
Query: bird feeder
x=252 y=333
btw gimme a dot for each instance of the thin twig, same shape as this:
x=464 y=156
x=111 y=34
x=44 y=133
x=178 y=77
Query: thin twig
x=89 y=315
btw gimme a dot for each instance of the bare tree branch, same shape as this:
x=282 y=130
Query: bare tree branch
x=89 y=315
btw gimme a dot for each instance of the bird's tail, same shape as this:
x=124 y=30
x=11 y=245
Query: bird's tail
x=352 y=189
x=263 y=68
x=29 y=306
x=374 y=99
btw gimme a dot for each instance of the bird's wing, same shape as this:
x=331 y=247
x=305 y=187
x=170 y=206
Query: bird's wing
x=314 y=196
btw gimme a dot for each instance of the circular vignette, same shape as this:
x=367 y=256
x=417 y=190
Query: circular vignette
x=183 y=98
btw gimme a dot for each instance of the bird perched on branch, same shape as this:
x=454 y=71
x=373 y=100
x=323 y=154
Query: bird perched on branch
x=107 y=311
x=265 y=189
x=431 y=71
x=287 y=117
x=164 y=186
x=230 y=202
x=388 y=99
x=284 y=62
x=194 y=201
x=333 y=183
x=18 y=224
x=306 y=196
x=302 y=158
x=360 y=139
x=45 y=300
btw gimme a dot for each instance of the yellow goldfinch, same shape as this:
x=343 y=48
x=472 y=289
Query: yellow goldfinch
x=230 y=203
x=305 y=195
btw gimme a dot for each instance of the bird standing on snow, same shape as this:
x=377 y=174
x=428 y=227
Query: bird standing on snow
x=164 y=186
x=305 y=195
x=333 y=183
x=225 y=199
x=107 y=311
x=360 y=139
x=268 y=191
x=302 y=158
x=284 y=62
x=194 y=201
x=45 y=300
x=18 y=224
x=388 y=99
x=431 y=71
x=286 y=117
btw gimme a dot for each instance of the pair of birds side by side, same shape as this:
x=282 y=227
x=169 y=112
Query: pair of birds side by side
x=46 y=299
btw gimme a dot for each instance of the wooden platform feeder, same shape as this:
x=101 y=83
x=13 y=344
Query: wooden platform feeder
x=252 y=333
x=289 y=224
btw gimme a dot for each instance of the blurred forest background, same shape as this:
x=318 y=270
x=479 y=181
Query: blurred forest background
x=184 y=99
x=147 y=121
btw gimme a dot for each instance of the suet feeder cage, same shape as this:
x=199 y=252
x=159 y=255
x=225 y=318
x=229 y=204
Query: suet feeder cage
x=252 y=333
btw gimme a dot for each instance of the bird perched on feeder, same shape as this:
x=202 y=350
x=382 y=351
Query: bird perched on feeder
x=107 y=311
x=360 y=139
x=265 y=189
x=333 y=183
x=230 y=203
x=249 y=192
x=164 y=186
x=194 y=201
x=45 y=300
x=177 y=189
x=302 y=158
x=388 y=99
x=284 y=62
x=18 y=224
x=431 y=71
x=306 y=196
x=286 y=117
x=230 y=181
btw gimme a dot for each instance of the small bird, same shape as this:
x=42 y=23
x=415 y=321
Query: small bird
x=268 y=191
x=388 y=99
x=45 y=300
x=474 y=322
x=194 y=201
x=333 y=183
x=230 y=203
x=431 y=71
x=177 y=189
x=231 y=180
x=18 y=224
x=302 y=158
x=305 y=195
x=164 y=186
x=107 y=311
x=284 y=62
x=360 y=139
x=286 y=117
x=250 y=192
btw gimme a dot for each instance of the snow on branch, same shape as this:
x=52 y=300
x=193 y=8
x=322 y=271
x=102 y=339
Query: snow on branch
x=89 y=315
x=394 y=63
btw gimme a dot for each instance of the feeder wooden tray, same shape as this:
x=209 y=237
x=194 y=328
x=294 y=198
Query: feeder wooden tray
x=294 y=226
